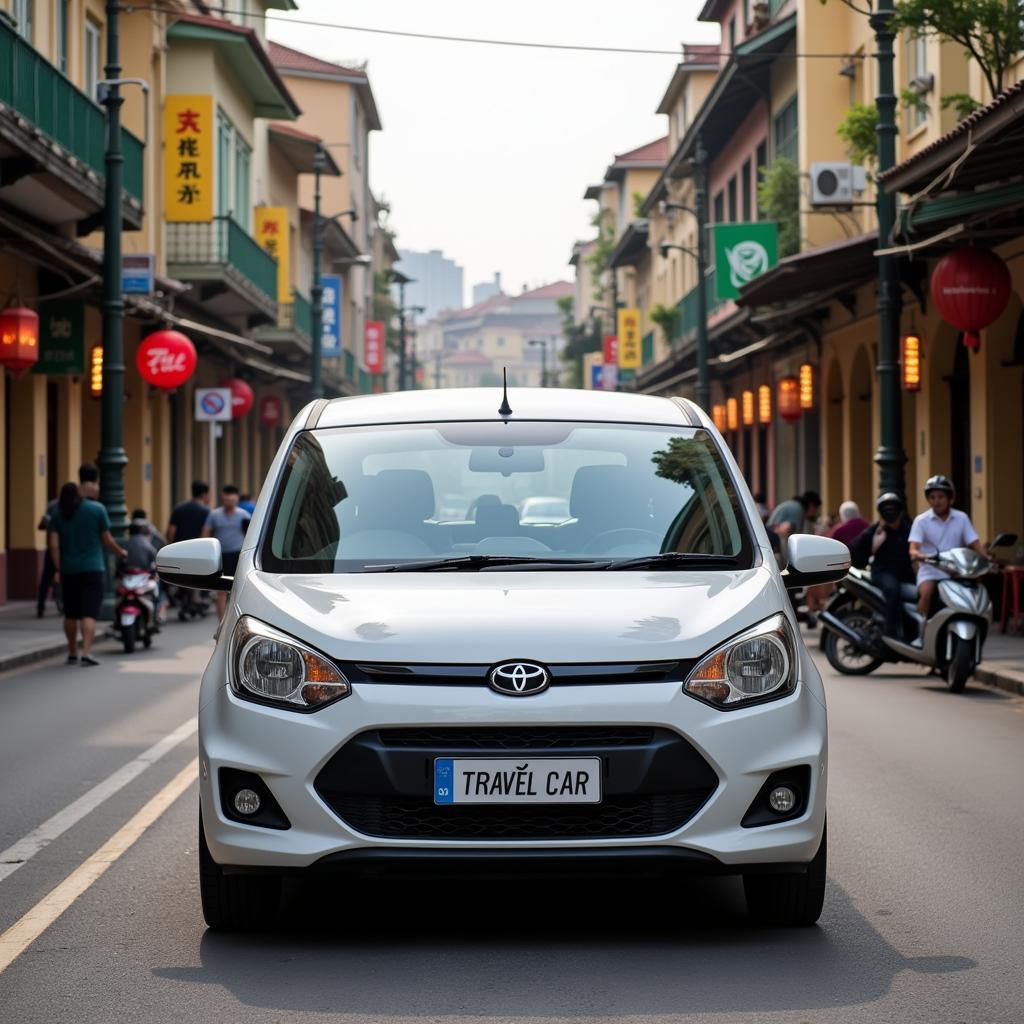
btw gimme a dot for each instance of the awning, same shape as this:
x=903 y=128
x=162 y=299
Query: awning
x=300 y=149
x=632 y=246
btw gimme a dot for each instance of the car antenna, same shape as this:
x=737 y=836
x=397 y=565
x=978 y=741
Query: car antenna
x=505 y=409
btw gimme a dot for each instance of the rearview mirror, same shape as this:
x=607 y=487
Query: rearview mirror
x=813 y=560
x=507 y=460
x=1004 y=540
x=195 y=564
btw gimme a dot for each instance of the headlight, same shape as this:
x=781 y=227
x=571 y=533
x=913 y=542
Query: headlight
x=758 y=665
x=276 y=669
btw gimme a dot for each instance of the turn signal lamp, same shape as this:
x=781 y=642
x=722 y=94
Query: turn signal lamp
x=748 y=408
x=910 y=362
x=806 y=386
x=96 y=371
x=732 y=414
x=764 y=404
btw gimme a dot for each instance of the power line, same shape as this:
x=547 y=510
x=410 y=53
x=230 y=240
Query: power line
x=482 y=41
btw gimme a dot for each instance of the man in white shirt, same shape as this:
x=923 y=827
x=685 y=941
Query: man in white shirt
x=940 y=528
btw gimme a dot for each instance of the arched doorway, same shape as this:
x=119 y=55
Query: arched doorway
x=860 y=432
x=832 y=447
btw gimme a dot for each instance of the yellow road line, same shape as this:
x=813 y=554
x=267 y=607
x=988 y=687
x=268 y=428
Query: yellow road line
x=28 y=928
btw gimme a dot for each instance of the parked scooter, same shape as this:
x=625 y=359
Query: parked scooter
x=951 y=637
x=135 y=612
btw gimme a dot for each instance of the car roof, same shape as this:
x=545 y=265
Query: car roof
x=447 y=404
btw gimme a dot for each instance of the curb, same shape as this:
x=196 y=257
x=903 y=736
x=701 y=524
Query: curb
x=28 y=657
x=1011 y=682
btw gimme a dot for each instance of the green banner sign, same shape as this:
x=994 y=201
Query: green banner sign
x=61 y=338
x=742 y=251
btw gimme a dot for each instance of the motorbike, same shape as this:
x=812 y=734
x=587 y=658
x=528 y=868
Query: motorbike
x=191 y=604
x=951 y=636
x=135 y=611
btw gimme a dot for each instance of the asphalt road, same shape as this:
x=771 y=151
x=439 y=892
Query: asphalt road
x=924 y=919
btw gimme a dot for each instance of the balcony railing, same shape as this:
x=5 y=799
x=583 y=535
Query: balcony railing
x=686 y=324
x=296 y=315
x=41 y=94
x=222 y=242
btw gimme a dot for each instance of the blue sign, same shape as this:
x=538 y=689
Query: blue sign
x=596 y=376
x=331 y=333
x=137 y=273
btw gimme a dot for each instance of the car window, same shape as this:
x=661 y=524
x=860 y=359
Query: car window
x=354 y=496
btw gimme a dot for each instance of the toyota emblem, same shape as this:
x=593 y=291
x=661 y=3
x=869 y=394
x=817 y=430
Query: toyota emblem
x=519 y=678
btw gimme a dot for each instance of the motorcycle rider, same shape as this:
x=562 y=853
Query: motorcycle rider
x=886 y=544
x=941 y=528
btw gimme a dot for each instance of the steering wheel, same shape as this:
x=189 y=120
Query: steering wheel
x=616 y=538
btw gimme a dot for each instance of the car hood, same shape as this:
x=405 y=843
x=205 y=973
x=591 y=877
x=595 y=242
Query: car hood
x=482 y=618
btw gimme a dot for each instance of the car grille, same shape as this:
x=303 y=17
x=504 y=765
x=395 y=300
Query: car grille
x=626 y=817
x=380 y=783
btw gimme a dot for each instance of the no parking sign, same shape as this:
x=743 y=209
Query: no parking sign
x=213 y=405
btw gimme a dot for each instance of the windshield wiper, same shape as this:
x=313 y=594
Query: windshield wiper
x=474 y=563
x=677 y=560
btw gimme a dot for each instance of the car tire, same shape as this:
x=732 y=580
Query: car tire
x=788 y=901
x=235 y=903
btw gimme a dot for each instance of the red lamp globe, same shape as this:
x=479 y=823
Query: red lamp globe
x=165 y=359
x=970 y=287
x=241 y=396
x=19 y=339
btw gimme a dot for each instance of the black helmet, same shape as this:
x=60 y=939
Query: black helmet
x=890 y=499
x=939 y=483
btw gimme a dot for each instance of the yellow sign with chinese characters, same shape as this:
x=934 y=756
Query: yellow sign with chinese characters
x=630 y=347
x=190 y=133
x=272 y=235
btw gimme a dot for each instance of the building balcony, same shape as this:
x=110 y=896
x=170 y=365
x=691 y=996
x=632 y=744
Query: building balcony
x=235 y=278
x=686 y=324
x=293 y=331
x=52 y=142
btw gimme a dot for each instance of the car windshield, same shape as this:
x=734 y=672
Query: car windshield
x=357 y=498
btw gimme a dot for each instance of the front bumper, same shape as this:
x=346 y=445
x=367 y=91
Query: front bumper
x=291 y=751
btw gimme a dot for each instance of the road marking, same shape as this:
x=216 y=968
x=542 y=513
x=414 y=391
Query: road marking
x=28 y=928
x=27 y=847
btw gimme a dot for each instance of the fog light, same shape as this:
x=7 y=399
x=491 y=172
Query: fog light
x=247 y=801
x=781 y=799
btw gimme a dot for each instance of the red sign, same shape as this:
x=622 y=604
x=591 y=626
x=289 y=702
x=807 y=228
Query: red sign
x=165 y=359
x=241 y=396
x=373 y=346
x=611 y=350
x=270 y=411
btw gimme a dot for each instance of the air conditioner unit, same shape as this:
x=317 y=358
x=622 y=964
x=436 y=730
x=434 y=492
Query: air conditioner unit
x=832 y=183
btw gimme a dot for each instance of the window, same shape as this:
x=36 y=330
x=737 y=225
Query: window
x=22 y=12
x=92 y=56
x=243 y=161
x=746 y=197
x=917 y=68
x=786 y=128
x=60 y=25
x=732 y=200
x=719 y=208
x=732 y=35
x=761 y=159
x=225 y=146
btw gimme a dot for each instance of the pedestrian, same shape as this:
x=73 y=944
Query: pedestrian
x=762 y=507
x=156 y=538
x=79 y=531
x=851 y=523
x=46 y=580
x=228 y=523
x=885 y=543
x=798 y=515
x=89 y=481
x=941 y=528
x=247 y=503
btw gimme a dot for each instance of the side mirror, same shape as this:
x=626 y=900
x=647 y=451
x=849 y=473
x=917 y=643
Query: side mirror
x=195 y=564
x=814 y=560
x=1004 y=540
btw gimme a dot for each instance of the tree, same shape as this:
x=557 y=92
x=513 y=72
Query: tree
x=859 y=130
x=778 y=199
x=578 y=341
x=385 y=308
x=667 y=318
x=598 y=257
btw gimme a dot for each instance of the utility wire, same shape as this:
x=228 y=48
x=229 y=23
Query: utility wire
x=481 y=41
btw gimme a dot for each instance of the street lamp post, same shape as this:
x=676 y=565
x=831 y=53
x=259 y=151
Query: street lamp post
x=543 y=359
x=890 y=456
x=112 y=457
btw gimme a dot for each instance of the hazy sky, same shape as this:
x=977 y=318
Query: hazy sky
x=486 y=150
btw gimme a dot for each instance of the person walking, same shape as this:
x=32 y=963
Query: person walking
x=798 y=515
x=228 y=523
x=79 y=531
x=46 y=580
x=189 y=517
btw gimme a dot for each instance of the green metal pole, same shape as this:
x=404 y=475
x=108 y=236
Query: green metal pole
x=890 y=456
x=701 y=204
x=402 y=354
x=316 y=293
x=112 y=457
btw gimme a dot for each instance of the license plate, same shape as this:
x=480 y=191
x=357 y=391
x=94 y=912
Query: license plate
x=127 y=618
x=522 y=780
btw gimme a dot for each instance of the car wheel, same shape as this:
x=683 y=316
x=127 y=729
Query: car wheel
x=235 y=903
x=788 y=901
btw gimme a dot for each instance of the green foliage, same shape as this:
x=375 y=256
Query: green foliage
x=638 y=204
x=859 y=131
x=667 y=318
x=597 y=259
x=991 y=31
x=910 y=99
x=778 y=199
x=385 y=308
x=963 y=103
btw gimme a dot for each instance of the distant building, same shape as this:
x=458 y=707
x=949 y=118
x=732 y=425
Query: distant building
x=487 y=289
x=436 y=282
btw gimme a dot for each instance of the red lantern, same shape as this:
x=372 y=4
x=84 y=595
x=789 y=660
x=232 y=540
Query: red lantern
x=789 y=399
x=270 y=411
x=165 y=359
x=19 y=339
x=971 y=287
x=241 y=396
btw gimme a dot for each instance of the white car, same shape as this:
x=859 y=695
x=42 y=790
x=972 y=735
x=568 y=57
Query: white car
x=627 y=689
